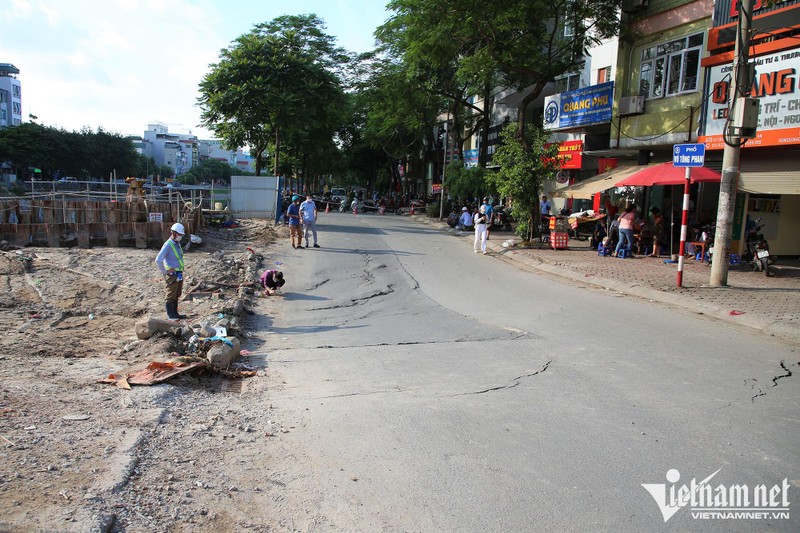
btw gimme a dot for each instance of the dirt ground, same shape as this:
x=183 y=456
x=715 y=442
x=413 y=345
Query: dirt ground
x=78 y=455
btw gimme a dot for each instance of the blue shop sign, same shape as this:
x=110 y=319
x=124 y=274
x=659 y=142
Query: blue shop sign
x=590 y=105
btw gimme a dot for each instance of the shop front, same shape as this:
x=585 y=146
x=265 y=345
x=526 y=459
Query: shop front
x=769 y=169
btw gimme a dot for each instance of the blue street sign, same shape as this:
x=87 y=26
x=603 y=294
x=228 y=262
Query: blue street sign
x=688 y=155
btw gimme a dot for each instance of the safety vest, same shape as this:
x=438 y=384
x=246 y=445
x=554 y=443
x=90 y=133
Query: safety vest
x=178 y=253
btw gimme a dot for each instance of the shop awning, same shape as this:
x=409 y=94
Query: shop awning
x=587 y=188
x=773 y=177
x=666 y=174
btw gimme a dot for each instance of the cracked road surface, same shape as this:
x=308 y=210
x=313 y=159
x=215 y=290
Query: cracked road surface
x=432 y=389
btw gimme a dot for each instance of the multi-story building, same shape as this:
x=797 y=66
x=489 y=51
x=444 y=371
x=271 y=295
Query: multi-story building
x=657 y=100
x=769 y=183
x=183 y=151
x=10 y=96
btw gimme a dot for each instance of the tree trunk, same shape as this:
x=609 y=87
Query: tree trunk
x=521 y=124
x=277 y=150
x=488 y=104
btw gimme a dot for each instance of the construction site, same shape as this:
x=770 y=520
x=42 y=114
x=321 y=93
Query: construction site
x=82 y=310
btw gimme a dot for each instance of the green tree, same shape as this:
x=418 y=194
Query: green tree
x=523 y=167
x=433 y=47
x=145 y=166
x=166 y=172
x=31 y=145
x=271 y=85
x=108 y=152
x=398 y=118
x=207 y=170
x=468 y=42
x=466 y=183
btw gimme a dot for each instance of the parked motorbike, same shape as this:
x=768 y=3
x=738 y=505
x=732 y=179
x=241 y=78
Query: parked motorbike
x=501 y=219
x=758 y=249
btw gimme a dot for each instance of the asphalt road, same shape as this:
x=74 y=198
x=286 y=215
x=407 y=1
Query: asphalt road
x=441 y=390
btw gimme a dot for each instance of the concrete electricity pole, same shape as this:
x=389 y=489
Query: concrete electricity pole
x=444 y=163
x=740 y=88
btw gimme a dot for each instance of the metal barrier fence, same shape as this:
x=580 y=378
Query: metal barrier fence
x=94 y=218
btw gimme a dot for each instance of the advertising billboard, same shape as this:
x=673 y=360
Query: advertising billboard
x=776 y=88
x=591 y=105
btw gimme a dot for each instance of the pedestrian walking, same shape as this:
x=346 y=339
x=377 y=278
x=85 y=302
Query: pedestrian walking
x=293 y=214
x=308 y=212
x=170 y=263
x=480 y=230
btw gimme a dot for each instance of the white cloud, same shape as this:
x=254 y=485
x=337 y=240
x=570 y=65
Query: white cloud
x=122 y=64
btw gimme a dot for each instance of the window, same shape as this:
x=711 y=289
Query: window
x=3 y=97
x=568 y=83
x=670 y=68
x=17 y=109
x=604 y=75
x=16 y=90
x=3 y=114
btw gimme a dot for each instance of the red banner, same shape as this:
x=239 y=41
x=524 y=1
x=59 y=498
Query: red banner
x=570 y=153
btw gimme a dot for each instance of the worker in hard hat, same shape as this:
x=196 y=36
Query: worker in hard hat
x=293 y=214
x=170 y=263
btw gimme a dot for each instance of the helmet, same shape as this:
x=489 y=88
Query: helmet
x=483 y=209
x=295 y=198
x=178 y=228
x=464 y=209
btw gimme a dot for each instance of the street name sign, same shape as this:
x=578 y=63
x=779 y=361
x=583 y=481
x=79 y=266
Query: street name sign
x=688 y=155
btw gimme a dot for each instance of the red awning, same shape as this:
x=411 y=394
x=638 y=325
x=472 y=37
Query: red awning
x=666 y=174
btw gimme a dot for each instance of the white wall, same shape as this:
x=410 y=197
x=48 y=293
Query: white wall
x=254 y=196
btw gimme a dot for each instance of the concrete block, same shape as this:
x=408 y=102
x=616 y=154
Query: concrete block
x=222 y=355
x=150 y=326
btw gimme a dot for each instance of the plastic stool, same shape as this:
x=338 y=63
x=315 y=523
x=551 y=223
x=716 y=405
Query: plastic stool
x=603 y=251
x=735 y=259
x=623 y=253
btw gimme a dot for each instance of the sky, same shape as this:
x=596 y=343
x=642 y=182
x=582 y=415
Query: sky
x=123 y=64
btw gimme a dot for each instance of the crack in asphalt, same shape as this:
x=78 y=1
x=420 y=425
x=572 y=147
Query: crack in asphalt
x=357 y=301
x=511 y=384
x=318 y=284
x=413 y=343
x=762 y=392
x=350 y=394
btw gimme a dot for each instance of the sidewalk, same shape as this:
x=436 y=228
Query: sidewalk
x=771 y=305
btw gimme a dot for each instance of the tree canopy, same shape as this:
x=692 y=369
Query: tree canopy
x=277 y=85
x=85 y=154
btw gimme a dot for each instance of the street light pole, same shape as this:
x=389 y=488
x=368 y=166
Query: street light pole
x=730 y=156
x=444 y=165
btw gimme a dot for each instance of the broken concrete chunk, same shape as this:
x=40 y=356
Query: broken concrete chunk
x=222 y=354
x=149 y=327
x=235 y=307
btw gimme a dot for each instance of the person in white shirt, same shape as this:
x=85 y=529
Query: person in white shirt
x=308 y=214
x=466 y=220
x=480 y=230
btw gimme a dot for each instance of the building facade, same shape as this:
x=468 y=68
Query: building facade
x=183 y=151
x=10 y=96
x=769 y=182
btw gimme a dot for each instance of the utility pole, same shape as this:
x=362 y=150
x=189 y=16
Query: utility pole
x=444 y=164
x=740 y=87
